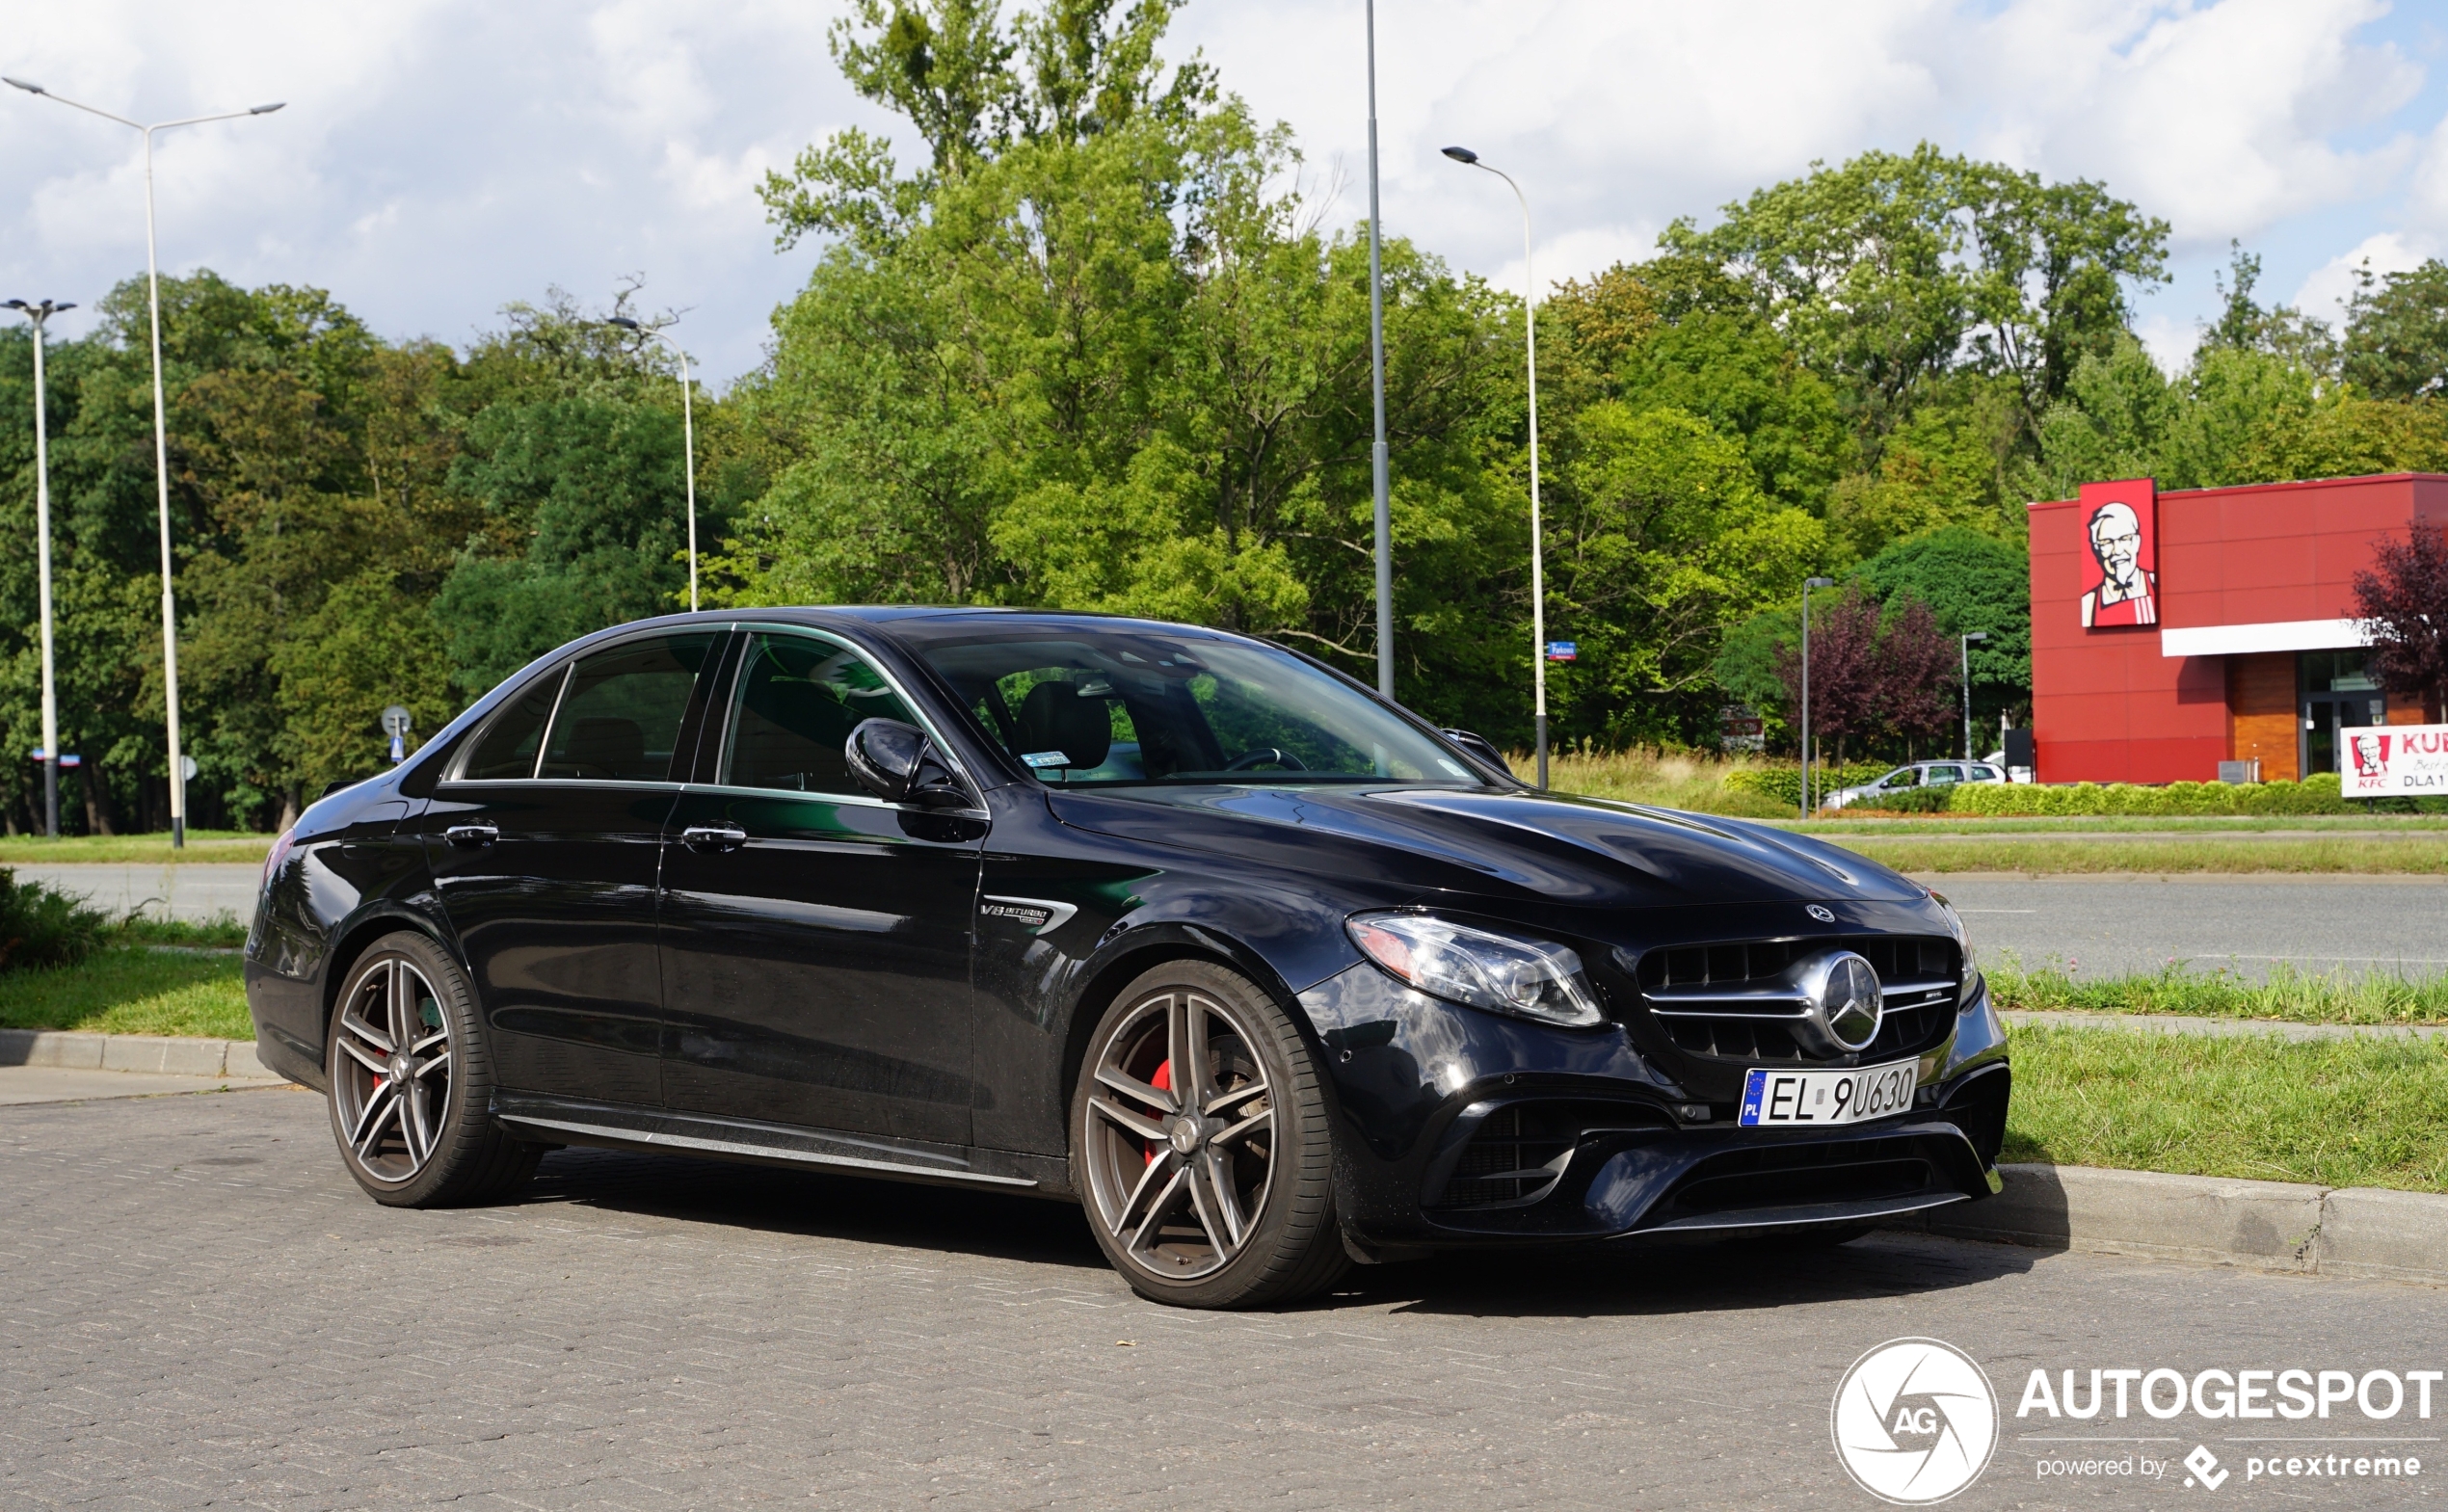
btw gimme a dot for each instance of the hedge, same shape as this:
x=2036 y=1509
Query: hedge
x=2315 y=794
x=1784 y=784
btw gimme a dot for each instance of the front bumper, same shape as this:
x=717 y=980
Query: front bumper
x=1459 y=1127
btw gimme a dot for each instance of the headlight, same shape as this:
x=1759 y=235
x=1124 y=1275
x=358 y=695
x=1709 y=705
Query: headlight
x=1971 y=966
x=1502 y=973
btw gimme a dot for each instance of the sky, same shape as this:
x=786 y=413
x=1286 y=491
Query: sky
x=437 y=159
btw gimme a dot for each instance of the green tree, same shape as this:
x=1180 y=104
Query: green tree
x=1970 y=581
x=2397 y=333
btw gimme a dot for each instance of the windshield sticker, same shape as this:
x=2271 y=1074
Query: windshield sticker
x=1046 y=758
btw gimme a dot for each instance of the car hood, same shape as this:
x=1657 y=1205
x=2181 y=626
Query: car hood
x=1567 y=850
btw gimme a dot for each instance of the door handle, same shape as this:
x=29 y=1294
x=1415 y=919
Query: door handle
x=713 y=838
x=469 y=836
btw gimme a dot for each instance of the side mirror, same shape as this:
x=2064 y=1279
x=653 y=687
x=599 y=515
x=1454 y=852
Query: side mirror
x=897 y=762
x=1480 y=747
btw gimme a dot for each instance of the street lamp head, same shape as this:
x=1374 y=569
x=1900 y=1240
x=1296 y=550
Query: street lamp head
x=266 y=110
x=1977 y=635
x=28 y=87
x=56 y=309
x=624 y=323
x=1458 y=154
x=12 y=305
x=1820 y=582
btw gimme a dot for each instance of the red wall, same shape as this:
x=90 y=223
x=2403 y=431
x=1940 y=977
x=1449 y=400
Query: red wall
x=2106 y=706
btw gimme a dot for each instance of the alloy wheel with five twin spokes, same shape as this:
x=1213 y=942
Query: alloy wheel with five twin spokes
x=391 y=1069
x=1181 y=1134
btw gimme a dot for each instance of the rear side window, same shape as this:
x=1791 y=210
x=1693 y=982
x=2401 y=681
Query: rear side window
x=509 y=747
x=622 y=714
x=798 y=701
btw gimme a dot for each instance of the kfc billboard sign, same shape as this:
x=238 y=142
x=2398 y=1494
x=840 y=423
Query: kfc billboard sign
x=2121 y=571
x=2390 y=761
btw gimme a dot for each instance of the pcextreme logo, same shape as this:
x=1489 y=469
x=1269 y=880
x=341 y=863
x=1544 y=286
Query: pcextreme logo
x=1914 y=1421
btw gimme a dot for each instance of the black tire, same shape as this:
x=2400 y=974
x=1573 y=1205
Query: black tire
x=412 y=1111
x=1260 y=1139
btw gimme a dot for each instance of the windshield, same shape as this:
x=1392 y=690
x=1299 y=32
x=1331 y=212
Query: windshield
x=1092 y=708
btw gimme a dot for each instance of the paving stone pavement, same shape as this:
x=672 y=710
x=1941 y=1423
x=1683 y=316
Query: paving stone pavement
x=203 y=1310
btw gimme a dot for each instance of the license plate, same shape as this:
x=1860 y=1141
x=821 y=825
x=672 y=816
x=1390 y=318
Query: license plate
x=1783 y=1099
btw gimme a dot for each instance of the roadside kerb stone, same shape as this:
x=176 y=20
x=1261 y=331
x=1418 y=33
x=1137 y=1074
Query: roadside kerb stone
x=2216 y=1029
x=157 y=1055
x=2381 y=1235
x=2284 y=1227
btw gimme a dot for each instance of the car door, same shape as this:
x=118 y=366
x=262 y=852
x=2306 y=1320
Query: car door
x=815 y=938
x=546 y=842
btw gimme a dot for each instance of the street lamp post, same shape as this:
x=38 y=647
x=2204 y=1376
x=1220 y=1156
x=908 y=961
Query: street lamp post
x=38 y=313
x=688 y=440
x=161 y=432
x=1808 y=584
x=1968 y=639
x=1538 y=575
x=1384 y=514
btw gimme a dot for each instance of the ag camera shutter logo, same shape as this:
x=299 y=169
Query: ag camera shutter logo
x=1914 y=1421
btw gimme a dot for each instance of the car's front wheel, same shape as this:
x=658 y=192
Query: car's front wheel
x=411 y=1082
x=1202 y=1146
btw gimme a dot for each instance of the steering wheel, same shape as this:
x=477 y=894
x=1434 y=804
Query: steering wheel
x=1264 y=754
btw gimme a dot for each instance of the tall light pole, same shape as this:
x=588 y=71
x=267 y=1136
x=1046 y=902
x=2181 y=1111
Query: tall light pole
x=688 y=440
x=1377 y=385
x=38 y=313
x=1808 y=583
x=1968 y=639
x=1539 y=571
x=161 y=432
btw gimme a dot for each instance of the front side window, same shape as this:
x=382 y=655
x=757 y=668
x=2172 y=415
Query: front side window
x=508 y=750
x=620 y=715
x=1129 y=707
x=798 y=699
x=1906 y=777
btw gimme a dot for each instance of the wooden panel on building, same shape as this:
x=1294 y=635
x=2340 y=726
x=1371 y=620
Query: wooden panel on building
x=2402 y=710
x=2262 y=713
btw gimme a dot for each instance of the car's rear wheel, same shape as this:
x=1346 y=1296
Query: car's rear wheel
x=411 y=1082
x=1202 y=1146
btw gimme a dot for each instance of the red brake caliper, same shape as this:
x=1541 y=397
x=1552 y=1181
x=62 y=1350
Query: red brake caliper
x=1162 y=1082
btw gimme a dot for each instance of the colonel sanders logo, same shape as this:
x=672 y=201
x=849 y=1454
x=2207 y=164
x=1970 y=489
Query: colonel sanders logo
x=2371 y=755
x=2125 y=591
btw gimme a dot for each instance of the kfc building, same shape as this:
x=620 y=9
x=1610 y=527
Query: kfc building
x=2171 y=632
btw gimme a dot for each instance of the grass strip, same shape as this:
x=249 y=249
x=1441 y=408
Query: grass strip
x=1913 y=827
x=2334 y=1112
x=132 y=989
x=2287 y=995
x=2344 y=854
x=227 y=846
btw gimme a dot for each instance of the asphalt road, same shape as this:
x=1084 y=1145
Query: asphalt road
x=193 y=891
x=203 y=1310
x=2110 y=927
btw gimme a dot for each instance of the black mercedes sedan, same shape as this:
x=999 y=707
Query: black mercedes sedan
x=1265 y=972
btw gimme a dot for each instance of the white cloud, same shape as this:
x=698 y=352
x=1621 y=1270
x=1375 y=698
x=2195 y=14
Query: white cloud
x=441 y=157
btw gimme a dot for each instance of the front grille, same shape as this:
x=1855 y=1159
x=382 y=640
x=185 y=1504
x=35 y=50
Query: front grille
x=1729 y=1001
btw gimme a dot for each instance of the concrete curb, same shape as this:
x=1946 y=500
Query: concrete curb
x=160 y=1054
x=2174 y=1023
x=2282 y=1227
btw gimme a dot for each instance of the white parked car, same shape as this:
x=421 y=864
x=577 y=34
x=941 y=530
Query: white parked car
x=1921 y=774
